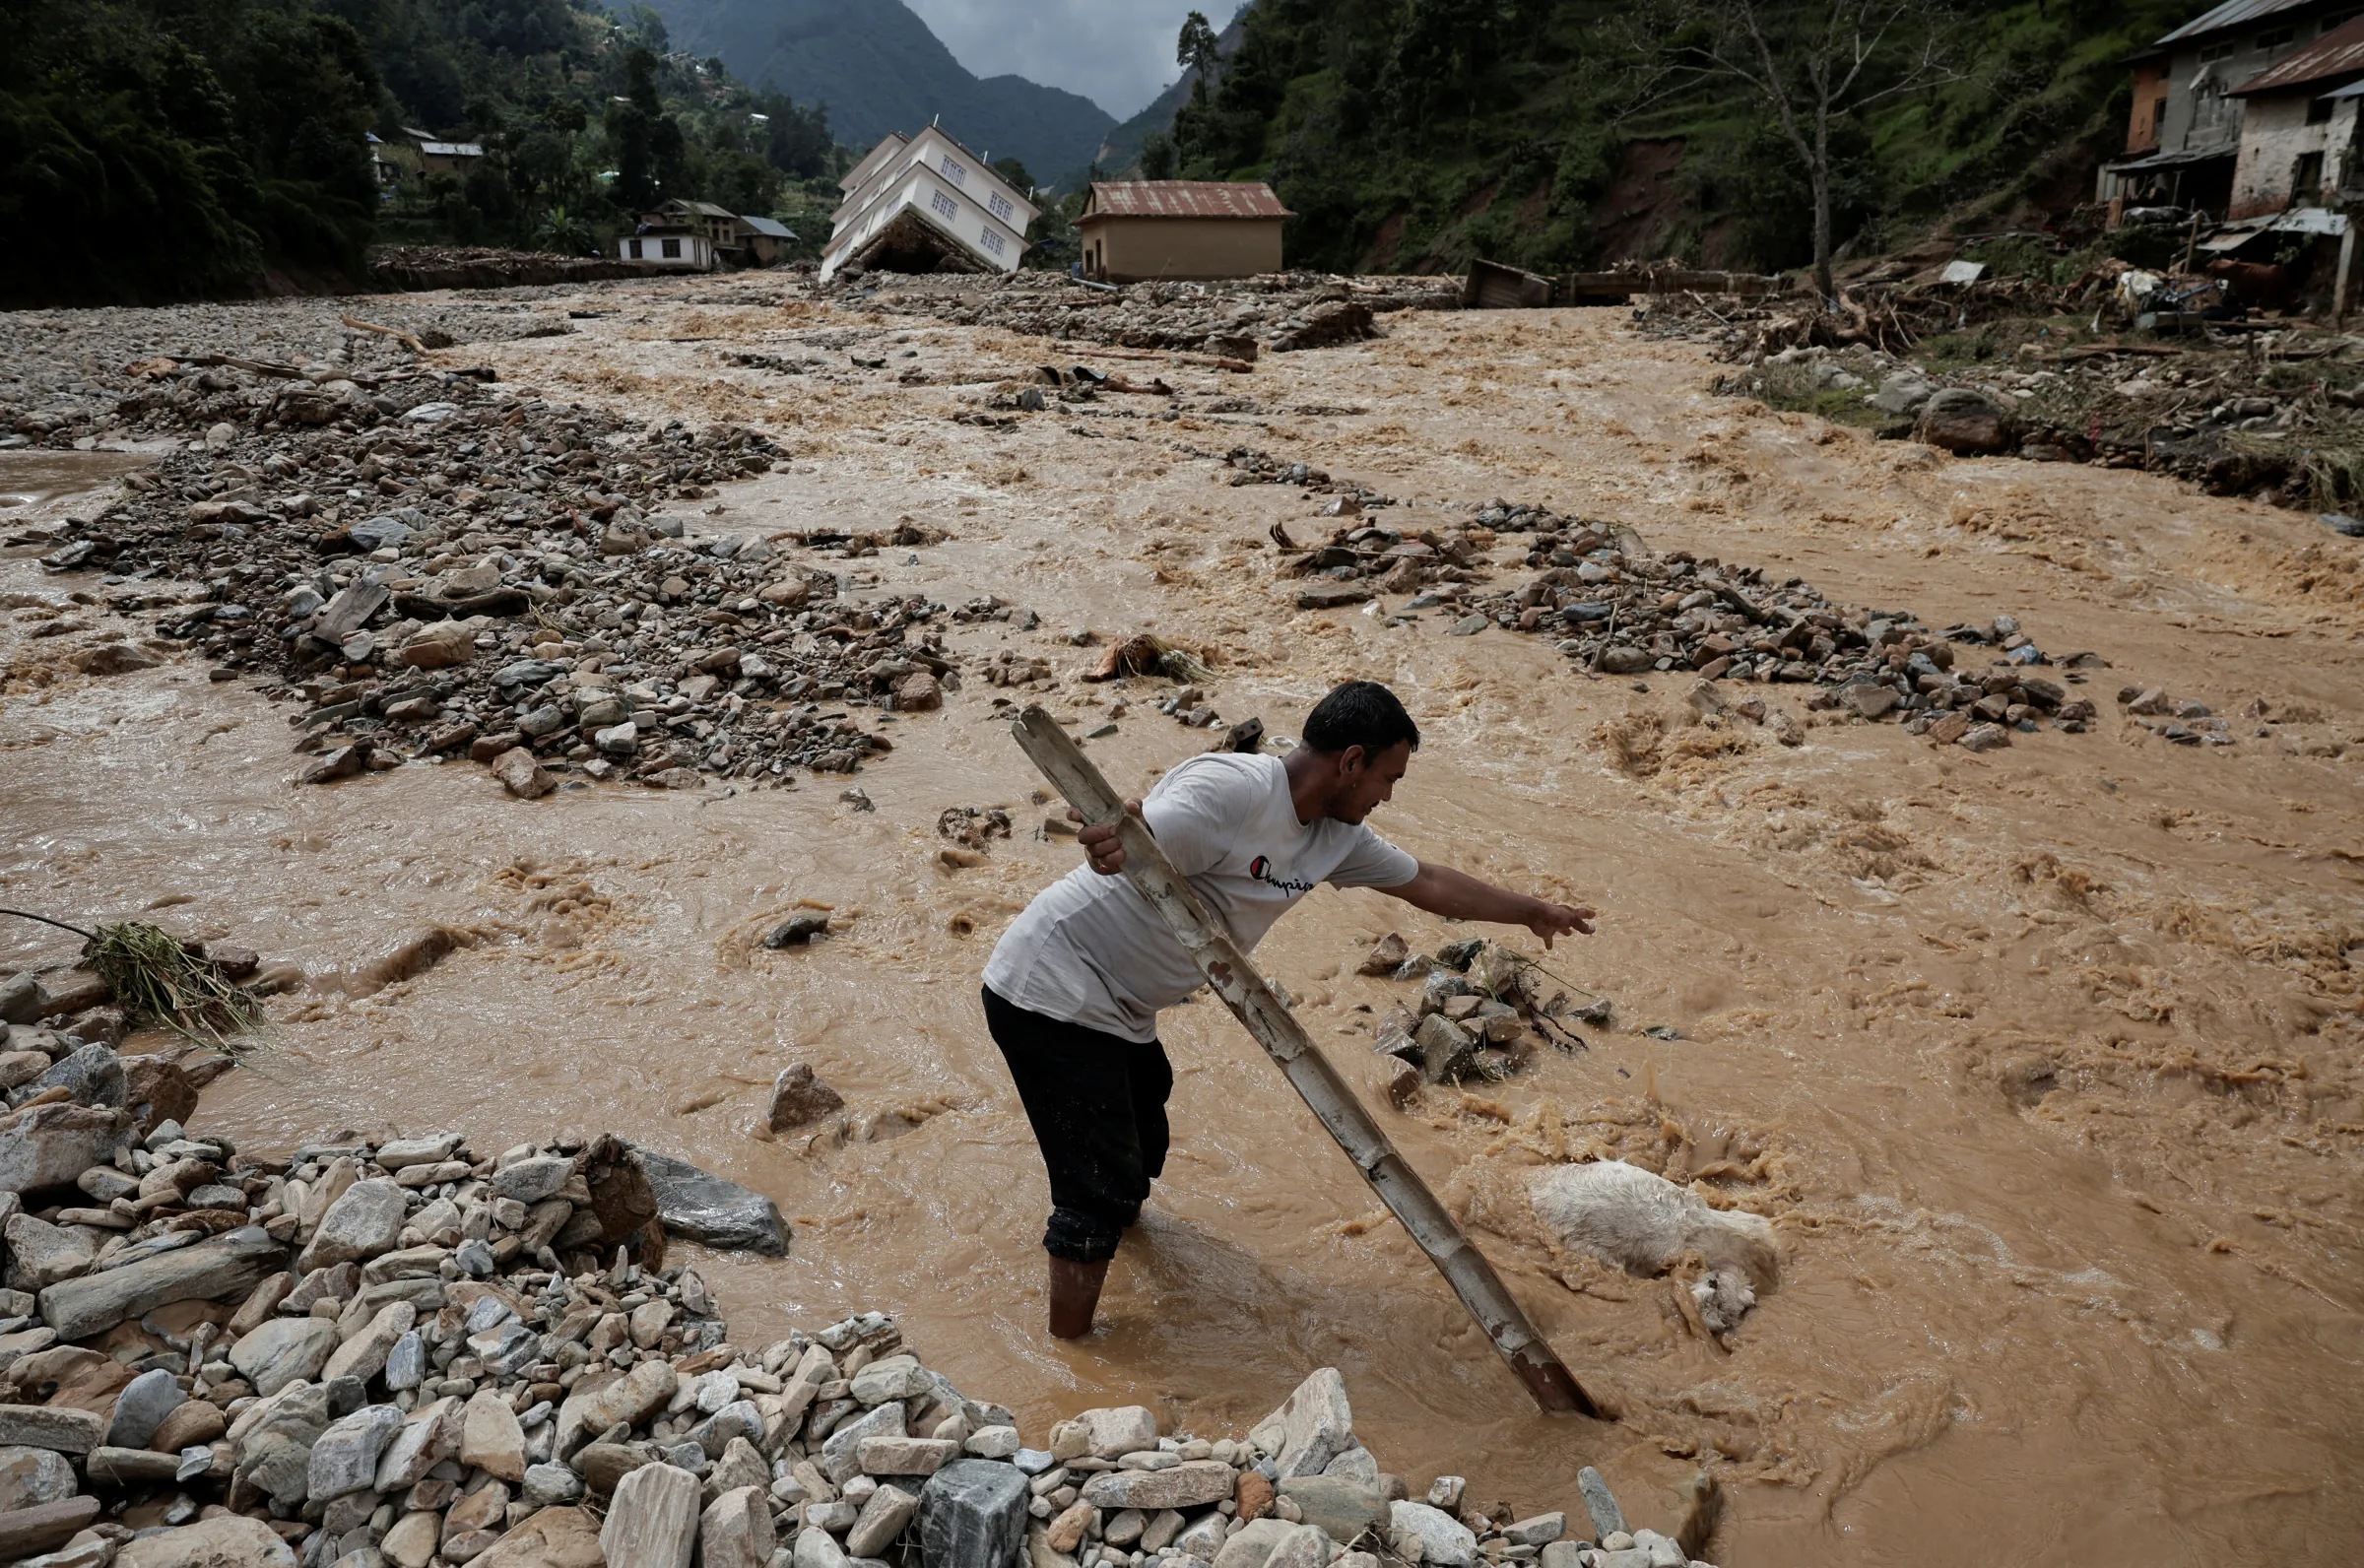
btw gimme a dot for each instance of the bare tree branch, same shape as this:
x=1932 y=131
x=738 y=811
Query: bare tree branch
x=1830 y=70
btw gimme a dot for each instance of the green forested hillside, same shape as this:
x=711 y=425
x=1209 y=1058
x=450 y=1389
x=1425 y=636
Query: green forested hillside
x=1416 y=133
x=155 y=150
x=150 y=155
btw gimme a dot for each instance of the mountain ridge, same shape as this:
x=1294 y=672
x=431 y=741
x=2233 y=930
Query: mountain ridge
x=879 y=68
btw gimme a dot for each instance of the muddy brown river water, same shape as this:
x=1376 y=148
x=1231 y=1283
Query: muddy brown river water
x=2046 y=1061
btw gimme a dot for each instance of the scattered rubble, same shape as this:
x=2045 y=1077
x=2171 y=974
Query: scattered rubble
x=419 y=269
x=403 y=1352
x=1478 y=1016
x=1231 y=318
x=2274 y=411
x=65 y=377
x=439 y=569
x=1620 y=608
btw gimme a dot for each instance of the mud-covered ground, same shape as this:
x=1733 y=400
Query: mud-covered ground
x=2045 y=1060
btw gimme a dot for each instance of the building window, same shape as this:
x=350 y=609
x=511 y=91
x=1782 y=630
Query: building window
x=2217 y=52
x=2333 y=23
x=673 y=250
x=2306 y=179
x=993 y=239
x=2319 y=111
x=2276 y=38
x=944 y=204
x=1000 y=204
x=2158 y=118
x=954 y=171
x=636 y=250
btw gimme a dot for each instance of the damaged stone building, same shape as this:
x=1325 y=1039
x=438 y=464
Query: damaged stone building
x=2184 y=130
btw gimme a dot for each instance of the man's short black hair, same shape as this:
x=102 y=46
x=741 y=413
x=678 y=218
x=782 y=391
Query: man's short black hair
x=1361 y=713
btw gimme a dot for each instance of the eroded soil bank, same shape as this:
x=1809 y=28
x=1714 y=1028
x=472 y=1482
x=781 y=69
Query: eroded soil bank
x=2045 y=1060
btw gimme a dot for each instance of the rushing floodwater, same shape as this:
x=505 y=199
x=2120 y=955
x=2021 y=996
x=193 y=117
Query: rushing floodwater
x=2045 y=1061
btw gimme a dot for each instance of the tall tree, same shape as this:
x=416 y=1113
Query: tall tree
x=1815 y=67
x=1196 y=52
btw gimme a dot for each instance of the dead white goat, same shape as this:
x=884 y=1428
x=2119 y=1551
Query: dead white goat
x=1642 y=1223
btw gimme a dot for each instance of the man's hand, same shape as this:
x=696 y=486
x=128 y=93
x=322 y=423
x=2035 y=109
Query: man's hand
x=1557 y=920
x=1101 y=843
x=1458 y=895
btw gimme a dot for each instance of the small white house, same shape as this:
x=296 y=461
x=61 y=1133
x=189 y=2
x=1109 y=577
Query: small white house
x=923 y=204
x=691 y=252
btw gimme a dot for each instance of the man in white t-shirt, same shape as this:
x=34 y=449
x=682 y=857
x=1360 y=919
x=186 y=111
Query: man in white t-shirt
x=1073 y=987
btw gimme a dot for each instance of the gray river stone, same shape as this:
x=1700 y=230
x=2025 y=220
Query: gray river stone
x=706 y=1208
x=972 y=1514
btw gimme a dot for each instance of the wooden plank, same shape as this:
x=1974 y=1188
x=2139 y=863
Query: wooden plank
x=1308 y=1071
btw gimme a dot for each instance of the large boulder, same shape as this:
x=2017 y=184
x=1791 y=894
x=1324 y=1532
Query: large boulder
x=704 y=1207
x=40 y=1254
x=284 y=1350
x=652 y=1521
x=31 y=1475
x=1441 y=1538
x=93 y=1076
x=228 y=1541
x=365 y=1220
x=972 y=1514
x=53 y=1144
x=1964 y=422
x=1314 y=1425
x=141 y=1408
x=226 y=1267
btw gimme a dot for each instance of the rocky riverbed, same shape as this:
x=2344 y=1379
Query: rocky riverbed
x=1898 y=1048
x=357 y=1354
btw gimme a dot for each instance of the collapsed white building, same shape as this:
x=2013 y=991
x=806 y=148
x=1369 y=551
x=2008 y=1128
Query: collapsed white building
x=927 y=204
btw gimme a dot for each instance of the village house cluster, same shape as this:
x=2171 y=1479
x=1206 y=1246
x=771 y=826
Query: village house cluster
x=700 y=236
x=2245 y=112
x=925 y=203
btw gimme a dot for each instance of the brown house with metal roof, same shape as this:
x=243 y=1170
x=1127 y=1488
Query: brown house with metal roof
x=1135 y=230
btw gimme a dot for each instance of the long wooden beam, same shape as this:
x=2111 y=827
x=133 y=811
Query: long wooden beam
x=1308 y=1071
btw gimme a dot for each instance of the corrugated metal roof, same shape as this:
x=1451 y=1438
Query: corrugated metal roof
x=2231 y=14
x=2340 y=52
x=1184 y=198
x=767 y=225
x=452 y=149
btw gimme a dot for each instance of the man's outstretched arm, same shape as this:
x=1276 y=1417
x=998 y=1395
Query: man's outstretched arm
x=1458 y=895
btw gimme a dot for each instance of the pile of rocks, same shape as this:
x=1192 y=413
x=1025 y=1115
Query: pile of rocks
x=1620 y=608
x=1251 y=467
x=477 y=574
x=1479 y=1015
x=372 y=1354
x=1230 y=317
x=67 y=376
x=2218 y=415
x=399 y=1353
x=2185 y=723
x=422 y=269
x=1364 y=560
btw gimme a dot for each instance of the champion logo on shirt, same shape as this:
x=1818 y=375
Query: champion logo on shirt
x=1261 y=868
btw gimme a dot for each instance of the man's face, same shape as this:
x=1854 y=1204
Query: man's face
x=1365 y=779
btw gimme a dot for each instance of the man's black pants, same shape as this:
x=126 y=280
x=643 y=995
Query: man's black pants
x=1098 y=1106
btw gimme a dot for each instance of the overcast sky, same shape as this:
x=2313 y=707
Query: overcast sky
x=1118 y=53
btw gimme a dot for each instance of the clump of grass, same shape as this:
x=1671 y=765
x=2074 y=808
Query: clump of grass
x=157 y=979
x=1797 y=388
x=151 y=974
